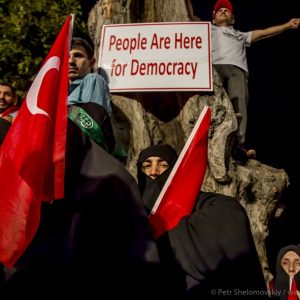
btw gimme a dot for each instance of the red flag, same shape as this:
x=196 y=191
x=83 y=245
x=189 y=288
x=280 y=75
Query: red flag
x=32 y=156
x=178 y=196
x=293 y=291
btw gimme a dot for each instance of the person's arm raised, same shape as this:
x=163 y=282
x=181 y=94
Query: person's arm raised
x=274 y=30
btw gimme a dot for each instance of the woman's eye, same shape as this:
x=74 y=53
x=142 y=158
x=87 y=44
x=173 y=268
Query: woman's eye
x=164 y=165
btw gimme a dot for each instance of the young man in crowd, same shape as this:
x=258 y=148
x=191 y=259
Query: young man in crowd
x=85 y=85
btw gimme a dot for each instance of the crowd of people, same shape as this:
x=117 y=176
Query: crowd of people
x=98 y=241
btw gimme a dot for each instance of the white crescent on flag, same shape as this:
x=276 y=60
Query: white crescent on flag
x=32 y=96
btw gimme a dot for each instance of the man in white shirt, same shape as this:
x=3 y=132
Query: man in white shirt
x=230 y=61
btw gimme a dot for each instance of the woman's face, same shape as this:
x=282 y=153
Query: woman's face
x=291 y=263
x=153 y=166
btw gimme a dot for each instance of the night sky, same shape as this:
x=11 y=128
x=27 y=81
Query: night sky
x=274 y=87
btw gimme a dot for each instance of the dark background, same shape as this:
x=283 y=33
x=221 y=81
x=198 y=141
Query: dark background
x=274 y=87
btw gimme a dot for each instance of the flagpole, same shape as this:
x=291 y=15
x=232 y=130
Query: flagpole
x=72 y=21
x=71 y=30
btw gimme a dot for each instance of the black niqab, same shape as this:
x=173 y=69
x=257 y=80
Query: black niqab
x=150 y=188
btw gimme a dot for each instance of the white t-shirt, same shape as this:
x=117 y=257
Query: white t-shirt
x=229 y=46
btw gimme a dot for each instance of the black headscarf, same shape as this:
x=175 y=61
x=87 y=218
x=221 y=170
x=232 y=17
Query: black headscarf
x=173 y=275
x=150 y=188
x=282 y=279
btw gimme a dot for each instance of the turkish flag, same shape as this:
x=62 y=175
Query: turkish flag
x=178 y=196
x=32 y=156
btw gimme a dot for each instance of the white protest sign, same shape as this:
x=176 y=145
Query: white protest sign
x=157 y=56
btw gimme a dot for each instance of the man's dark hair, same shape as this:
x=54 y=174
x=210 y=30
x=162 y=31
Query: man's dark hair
x=11 y=87
x=79 y=41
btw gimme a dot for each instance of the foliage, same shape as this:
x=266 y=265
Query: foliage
x=28 y=28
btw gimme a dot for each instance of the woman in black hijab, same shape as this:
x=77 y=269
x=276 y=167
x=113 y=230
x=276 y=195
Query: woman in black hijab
x=212 y=249
x=150 y=188
x=287 y=269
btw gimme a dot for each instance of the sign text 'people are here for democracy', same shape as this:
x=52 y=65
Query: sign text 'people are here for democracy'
x=157 y=56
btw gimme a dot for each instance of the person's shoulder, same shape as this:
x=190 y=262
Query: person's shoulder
x=215 y=28
x=223 y=203
x=213 y=195
x=239 y=31
x=94 y=77
x=14 y=113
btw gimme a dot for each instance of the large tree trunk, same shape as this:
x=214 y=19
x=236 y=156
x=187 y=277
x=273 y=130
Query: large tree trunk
x=141 y=119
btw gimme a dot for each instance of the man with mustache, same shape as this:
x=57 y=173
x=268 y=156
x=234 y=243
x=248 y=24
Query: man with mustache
x=8 y=108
